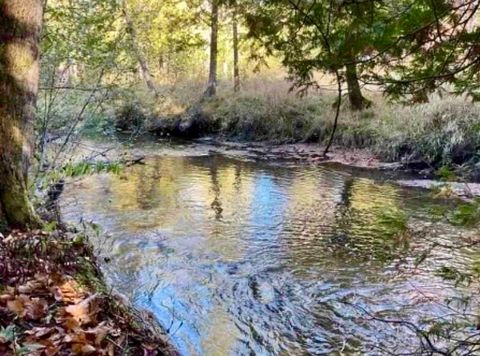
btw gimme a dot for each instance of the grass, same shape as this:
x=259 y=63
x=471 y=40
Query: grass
x=445 y=130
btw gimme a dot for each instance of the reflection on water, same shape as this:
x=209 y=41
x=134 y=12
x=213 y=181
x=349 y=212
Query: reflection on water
x=237 y=257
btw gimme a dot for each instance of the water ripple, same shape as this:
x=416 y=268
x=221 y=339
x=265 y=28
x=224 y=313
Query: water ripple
x=238 y=257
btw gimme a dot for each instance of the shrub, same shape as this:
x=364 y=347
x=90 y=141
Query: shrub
x=130 y=116
x=269 y=112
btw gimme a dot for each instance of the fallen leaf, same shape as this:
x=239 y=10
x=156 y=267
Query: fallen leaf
x=30 y=286
x=70 y=324
x=4 y=298
x=8 y=238
x=36 y=309
x=110 y=349
x=30 y=309
x=68 y=292
x=85 y=311
x=30 y=349
x=88 y=349
x=16 y=306
x=78 y=341
x=39 y=332
x=52 y=350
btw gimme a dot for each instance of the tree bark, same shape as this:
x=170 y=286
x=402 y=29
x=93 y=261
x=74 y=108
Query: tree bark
x=142 y=61
x=212 y=75
x=20 y=29
x=357 y=101
x=236 y=69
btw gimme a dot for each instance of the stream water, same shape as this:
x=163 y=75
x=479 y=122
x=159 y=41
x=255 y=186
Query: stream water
x=241 y=257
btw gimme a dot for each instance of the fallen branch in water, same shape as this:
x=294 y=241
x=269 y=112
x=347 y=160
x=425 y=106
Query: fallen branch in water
x=133 y=161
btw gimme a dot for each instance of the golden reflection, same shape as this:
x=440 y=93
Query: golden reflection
x=368 y=195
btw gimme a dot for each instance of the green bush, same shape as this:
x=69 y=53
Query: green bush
x=98 y=125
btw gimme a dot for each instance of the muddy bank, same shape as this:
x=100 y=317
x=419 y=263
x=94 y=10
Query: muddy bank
x=412 y=174
x=307 y=153
x=311 y=153
x=416 y=174
x=303 y=152
x=198 y=127
x=191 y=125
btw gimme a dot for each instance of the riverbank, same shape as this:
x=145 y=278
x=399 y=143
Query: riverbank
x=442 y=135
x=309 y=153
x=362 y=162
x=54 y=300
x=410 y=174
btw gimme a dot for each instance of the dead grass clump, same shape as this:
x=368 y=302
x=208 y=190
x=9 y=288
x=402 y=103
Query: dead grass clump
x=445 y=131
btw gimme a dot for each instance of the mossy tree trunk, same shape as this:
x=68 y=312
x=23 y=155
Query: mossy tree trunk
x=355 y=97
x=20 y=28
x=212 y=74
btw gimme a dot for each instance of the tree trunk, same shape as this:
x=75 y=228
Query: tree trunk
x=20 y=29
x=357 y=101
x=145 y=71
x=236 y=69
x=212 y=75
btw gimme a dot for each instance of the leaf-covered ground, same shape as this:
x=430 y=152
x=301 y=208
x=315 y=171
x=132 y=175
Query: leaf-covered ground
x=53 y=302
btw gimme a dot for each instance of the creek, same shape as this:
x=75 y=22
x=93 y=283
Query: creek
x=235 y=256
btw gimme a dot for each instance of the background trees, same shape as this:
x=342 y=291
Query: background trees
x=137 y=51
x=212 y=69
x=324 y=36
x=411 y=48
